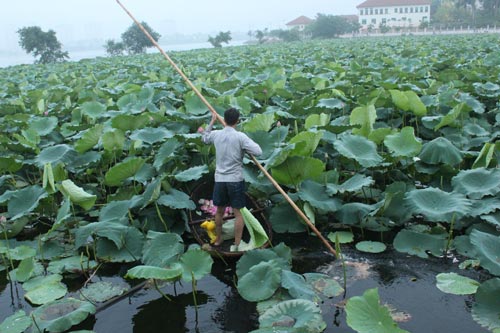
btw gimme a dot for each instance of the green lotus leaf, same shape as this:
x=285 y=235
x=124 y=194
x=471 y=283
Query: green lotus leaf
x=20 y=252
x=127 y=122
x=474 y=129
x=19 y=322
x=297 y=286
x=487 y=249
x=276 y=329
x=317 y=120
x=75 y=264
x=166 y=151
x=10 y=165
x=324 y=284
x=365 y=314
x=123 y=170
x=89 y=139
x=151 y=135
x=493 y=219
x=39 y=281
x=452 y=283
x=59 y=316
x=177 y=200
x=163 y=249
x=404 y=143
x=284 y=219
x=315 y=194
x=488 y=89
x=93 y=110
x=280 y=258
x=25 y=269
x=486 y=309
x=485 y=156
x=440 y=150
x=400 y=99
x=484 y=206
x=265 y=275
x=194 y=105
x=331 y=103
x=46 y=290
x=415 y=103
x=258 y=236
x=102 y=291
x=11 y=228
x=353 y=184
x=416 y=243
x=24 y=201
x=260 y=122
x=477 y=183
x=437 y=205
x=295 y=314
x=77 y=195
x=365 y=116
x=296 y=169
x=43 y=125
x=371 y=247
x=311 y=140
x=193 y=173
x=195 y=263
x=130 y=251
x=450 y=118
x=344 y=237
x=378 y=135
x=353 y=213
x=113 y=140
x=360 y=149
x=115 y=211
x=172 y=273
x=48 y=178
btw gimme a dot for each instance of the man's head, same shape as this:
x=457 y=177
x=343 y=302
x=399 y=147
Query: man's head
x=231 y=116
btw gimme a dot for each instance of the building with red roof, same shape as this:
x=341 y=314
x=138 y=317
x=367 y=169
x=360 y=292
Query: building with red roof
x=299 y=23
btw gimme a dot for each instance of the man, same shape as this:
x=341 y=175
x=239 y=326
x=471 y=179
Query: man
x=229 y=189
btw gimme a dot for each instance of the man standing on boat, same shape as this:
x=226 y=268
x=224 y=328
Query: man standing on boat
x=229 y=190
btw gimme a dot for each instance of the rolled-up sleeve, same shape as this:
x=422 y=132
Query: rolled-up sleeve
x=206 y=136
x=250 y=146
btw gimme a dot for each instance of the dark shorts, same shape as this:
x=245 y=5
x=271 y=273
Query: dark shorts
x=230 y=194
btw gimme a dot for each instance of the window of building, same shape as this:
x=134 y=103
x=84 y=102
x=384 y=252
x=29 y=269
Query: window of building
x=406 y=9
x=387 y=10
x=424 y=19
x=426 y=9
x=411 y=9
x=384 y=20
x=363 y=21
x=376 y=11
x=360 y=12
x=401 y=10
x=421 y=9
x=371 y=11
x=395 y=10
x=374 y=21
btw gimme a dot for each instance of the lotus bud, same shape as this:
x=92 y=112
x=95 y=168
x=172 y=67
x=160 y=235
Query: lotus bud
x=200 y=129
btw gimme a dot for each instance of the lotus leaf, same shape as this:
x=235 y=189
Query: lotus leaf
x=280 y=257
x=453 y=283
x=486 y=309
x=260 y=122
x=487 y=248
x=403 y=144
x=364 y=116
x=25 y=269
x=477 y=183
x=93 y=110
x=317 y=120
x=172 y=273
x=284 y=219
x=418 y=244
x=102 y=291
x=343 y=237
x=123 y=170
x=437 y=205
x=365 y=314
x=295 y=314
x=297 y=286
x=151 y=135
x=360 y=149
x=9 y=165
x=43 y=125
x=311 y=140
x=131 y=245
x=55 y=154
x=42 y=290
x=59 y=316
x=113 y=141
x=75 y=264
x=440 y=150
x=11 y=228
x=167 y=150
x=20 y=252
x=353 y=213
x=22 y=202
x=162 y=249
x=353 y=184
x=266 y=275
x=177 y=200
x=371 y=247
x=77 y=195
x=258 y=236
x=296 y=169
x=193 y=173
x=19 y=322
x=324 y=284
x=485 y=156
x=331 y=103
x=315 y=194
x=196 y=263
x=194 y=105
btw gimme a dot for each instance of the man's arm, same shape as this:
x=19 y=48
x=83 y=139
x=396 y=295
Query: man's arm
x=205 y=135
x=251 y=147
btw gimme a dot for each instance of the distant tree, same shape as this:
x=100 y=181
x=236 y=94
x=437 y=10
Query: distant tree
x=43 y=45
x=291 y=35
x=260 y=35
x=222 y=37
x=383 y=28
x=114 y=48
x=135 y=41
x=329 y=26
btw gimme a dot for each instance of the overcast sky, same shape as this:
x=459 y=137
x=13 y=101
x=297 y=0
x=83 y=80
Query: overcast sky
x=79 y=20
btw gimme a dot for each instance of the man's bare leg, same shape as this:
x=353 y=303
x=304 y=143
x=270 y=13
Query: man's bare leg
x=238 y=226
x=218 y=225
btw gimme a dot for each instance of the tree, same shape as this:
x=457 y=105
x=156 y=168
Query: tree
x=222 y=37
x=41 y=44
x=114 y=48
x=291 y=35
x=135 y=41
x=329 y=26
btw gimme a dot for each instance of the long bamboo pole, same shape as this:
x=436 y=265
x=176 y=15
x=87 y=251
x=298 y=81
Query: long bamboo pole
x=221 y=120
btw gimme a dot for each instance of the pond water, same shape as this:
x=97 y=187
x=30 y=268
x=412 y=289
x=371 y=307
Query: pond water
x=405 y=283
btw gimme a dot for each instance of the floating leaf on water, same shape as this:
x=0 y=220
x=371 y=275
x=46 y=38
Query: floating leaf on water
x=260 y=282
x=324 y=284
x=295 y=314
x=343 y=236
x=486 y=309
x=59 y=316
x=371 y=247
x=74 y=264
x=452 y=283
x=174 y=272
x=102 y=291
x=297 y=286
x=19 y=322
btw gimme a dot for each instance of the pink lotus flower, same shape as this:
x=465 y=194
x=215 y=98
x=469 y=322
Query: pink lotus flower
x=3 y=219
x=200 y=129
x=46 y=113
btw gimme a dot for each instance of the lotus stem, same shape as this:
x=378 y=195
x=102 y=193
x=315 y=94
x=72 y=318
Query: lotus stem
x=161 y=292
x=341 y=257
x=193 y=284
x=450 y=235
x=161 y=217
x=36 y=325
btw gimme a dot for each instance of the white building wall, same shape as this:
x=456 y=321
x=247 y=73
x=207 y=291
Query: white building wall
x=394 y=16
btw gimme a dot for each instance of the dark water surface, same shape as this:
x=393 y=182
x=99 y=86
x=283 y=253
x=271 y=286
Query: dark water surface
x=405 y=283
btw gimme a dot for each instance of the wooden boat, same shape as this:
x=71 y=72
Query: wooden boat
x=198 y=216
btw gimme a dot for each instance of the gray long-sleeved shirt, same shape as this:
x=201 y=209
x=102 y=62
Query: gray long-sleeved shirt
x=230 y=147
